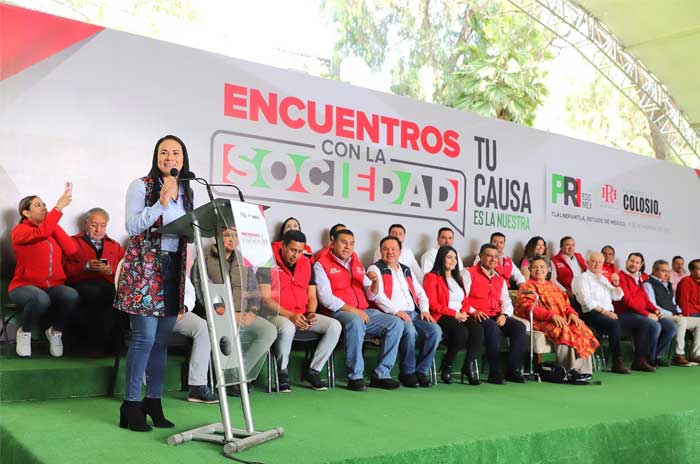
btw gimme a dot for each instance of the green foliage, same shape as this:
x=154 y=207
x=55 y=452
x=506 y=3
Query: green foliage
x=480 y=55
x=601 y=114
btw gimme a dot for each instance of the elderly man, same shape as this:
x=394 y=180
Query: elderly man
x=490 y=304
x=402 y=296
x=91 y=273
x=407 y=257
x=344 y=290
x=595 y=293
x=445 y=237
x=678 y=271
x=661 y=294
x=652 y=331
x=567 y=265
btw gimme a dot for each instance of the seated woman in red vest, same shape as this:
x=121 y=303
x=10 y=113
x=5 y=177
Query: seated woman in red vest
x=554 y=316
x=536 y=246
x=290 y=224
x=448 y=306
x=38 y=282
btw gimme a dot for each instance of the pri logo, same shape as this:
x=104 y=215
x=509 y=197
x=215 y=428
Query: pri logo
x=568 y=190
x=608 y=193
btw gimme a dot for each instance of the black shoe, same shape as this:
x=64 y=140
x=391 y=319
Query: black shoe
x=314 y=378
x=446 y=373
x=235 y=390
x=516 y=376
x=660 y=362
x=496 y=378
x=154 y=408
x=386 y=384
x=423 y=380
x=132 y=415
x=471 y=371
x=408 y=380
x=357 y=385
x=283 y=382
x=202 y=394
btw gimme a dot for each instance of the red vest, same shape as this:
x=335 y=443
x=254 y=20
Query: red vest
x=505 y=270
x=345 y=285
x=388 y=280
x=564 y=273
x=485 y=294
x=293 y=289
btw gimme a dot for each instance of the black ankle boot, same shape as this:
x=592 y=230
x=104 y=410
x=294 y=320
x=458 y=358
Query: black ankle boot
x=153 y=408
x=132 y=415
x=470 y=369
x=446 y=373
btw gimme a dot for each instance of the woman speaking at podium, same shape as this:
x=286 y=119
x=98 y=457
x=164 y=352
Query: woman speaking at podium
x=153 y=287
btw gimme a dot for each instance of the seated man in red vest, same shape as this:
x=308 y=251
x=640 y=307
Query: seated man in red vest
x=566 y=265
x=290 y=291
x=341 y=284
x=402 y=296
x=489 y=302
x=688 y=291
x=91 y=273
x=652 y=331
x=505 y=267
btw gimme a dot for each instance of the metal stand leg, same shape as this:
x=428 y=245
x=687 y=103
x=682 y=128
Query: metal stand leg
x=532 y=375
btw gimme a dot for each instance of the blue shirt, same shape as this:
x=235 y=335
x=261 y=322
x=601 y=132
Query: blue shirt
x=140 y=217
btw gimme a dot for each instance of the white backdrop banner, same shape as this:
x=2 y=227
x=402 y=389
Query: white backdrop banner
x=89 y=105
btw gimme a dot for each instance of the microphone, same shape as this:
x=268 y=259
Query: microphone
x=189 y=175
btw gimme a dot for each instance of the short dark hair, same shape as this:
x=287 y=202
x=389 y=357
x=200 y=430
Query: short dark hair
x=334 y=230
x=657 y=264
x=676 y=257
x=564 y=239
x=445 y=229
x=538 y=258
x=340 y=232
x=400 y=226
x=693 y=264
x=637 y=254
x=497 y=234
x=293 y=236
x=389 y=237
x=607 y=246
x=487 y=246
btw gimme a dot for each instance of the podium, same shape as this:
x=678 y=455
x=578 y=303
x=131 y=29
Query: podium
x=224 y=332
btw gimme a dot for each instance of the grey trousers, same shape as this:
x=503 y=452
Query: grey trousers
x=194 y=327
x=329 y=327
x=566 y=357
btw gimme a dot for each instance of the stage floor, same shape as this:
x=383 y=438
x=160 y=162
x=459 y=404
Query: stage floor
x=638 y=418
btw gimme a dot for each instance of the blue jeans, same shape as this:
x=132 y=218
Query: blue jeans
x=651 y=338
x=36 y=302
x=148 y=354
x=427 y=333
x=389 y=328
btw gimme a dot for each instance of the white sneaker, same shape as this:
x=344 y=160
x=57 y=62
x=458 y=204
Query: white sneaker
x=55 y=342
x=24 y=343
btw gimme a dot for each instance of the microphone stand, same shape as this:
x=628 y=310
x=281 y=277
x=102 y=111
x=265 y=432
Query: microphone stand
x=532 y=375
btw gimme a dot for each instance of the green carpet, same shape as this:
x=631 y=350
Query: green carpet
x=641 y=418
